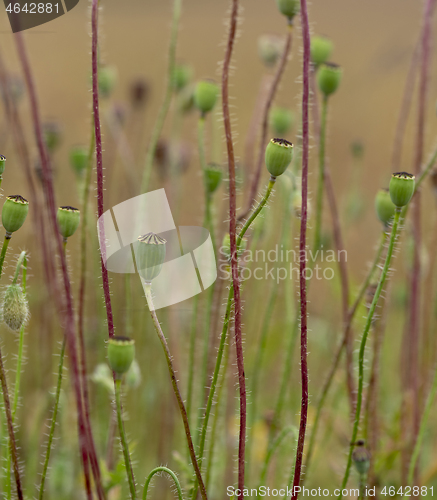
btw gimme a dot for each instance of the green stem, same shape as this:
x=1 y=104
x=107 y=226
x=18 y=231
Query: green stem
x=195 y=463
x=363 y=345
x=321 y=179
x=191 y=355
x=170 y=473
x=201 y=141
x=225 y=329
x=127 y=461
x=3 y=253
x=157 y=129
x=421 y=434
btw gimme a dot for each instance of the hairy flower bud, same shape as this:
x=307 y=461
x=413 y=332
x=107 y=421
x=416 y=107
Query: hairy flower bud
x=121 y=353
x=213 y=177
x=15 y=307
x=279 y=154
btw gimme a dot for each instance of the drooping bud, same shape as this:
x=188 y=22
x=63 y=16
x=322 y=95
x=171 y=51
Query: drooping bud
x=14 y=213
x=279 y=154
x=401 y=188
x=150 y=256
x=281 y=120
x=15 y=307
x=78 y=159
x=2 y=164
x=107 y=79
x=329 y=77
x=385 y=209
x=321 y=48
x=182 y=76
x=213 y=177
x=361 y=457
x=68 y=219
x=288 y=8
x=205 y=95
x=270 y=48
x=121 y=353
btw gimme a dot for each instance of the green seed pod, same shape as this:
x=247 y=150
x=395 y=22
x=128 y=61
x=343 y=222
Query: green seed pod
x=2 y=164
x=107 y=78
x=385 y=210
x=121 y=353
x=68 y=219
x=52 y=135
x=15 y=307
x=279 y=154
x=288 y=8
x=14 y=213
x=281 y=120
x=328 y=78
x=150 y=256
x=361 y=457
x=321 y=48
x=182 y=76
x=270 y=48
x=401 y=188
x=79 y=159
x=205 y=95
x=213 y=177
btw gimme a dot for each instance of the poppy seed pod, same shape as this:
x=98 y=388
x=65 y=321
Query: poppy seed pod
x=401 y=188
x=213 y=177
x=79 y=159
x=270 y=47
x=385 y=209
x=182 y=75
x=15 y=307
x=14 y=213
x=361 y=458
x=205 y=95
x=288 y=8
x=150 y=256
x=68 y=219
x=281 y=120
x=328 y=78
x=279 y=154
x=121 y=353
x=2 y=164
x=320 y=49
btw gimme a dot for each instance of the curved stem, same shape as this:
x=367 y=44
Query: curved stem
x=148 y=292
x=157 y=129
x=363 y=345
x=170 y=473
x=127 y=460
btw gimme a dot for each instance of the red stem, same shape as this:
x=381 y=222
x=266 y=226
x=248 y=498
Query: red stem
x=302 y=248
x=85 y=435
x=234 y=257
x=99 y=165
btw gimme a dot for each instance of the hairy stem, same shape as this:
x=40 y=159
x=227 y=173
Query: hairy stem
x=170 y=473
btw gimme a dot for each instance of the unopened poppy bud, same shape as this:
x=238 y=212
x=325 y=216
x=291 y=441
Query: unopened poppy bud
x=68 y=219
x=78 y=159
x=150 y=256
x=121 y=353
x=182 y=76
x=14 y=213
x=213 y=177
x=320 y=49
x=329 y=77
x=288 y=8
x=401 y=188
x=52 y=135
x=205 y=95
x=279 y=154
x=107 y=79
x=385 y=209
x=270 y=47
x=361 y=457
x=281 y=120
x=15 y=307
x=2 y=164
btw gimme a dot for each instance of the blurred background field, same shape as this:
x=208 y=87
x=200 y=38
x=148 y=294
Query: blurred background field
x=373 y=42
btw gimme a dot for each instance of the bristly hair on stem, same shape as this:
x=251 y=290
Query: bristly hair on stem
x=302 y=247
x=233 y=241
